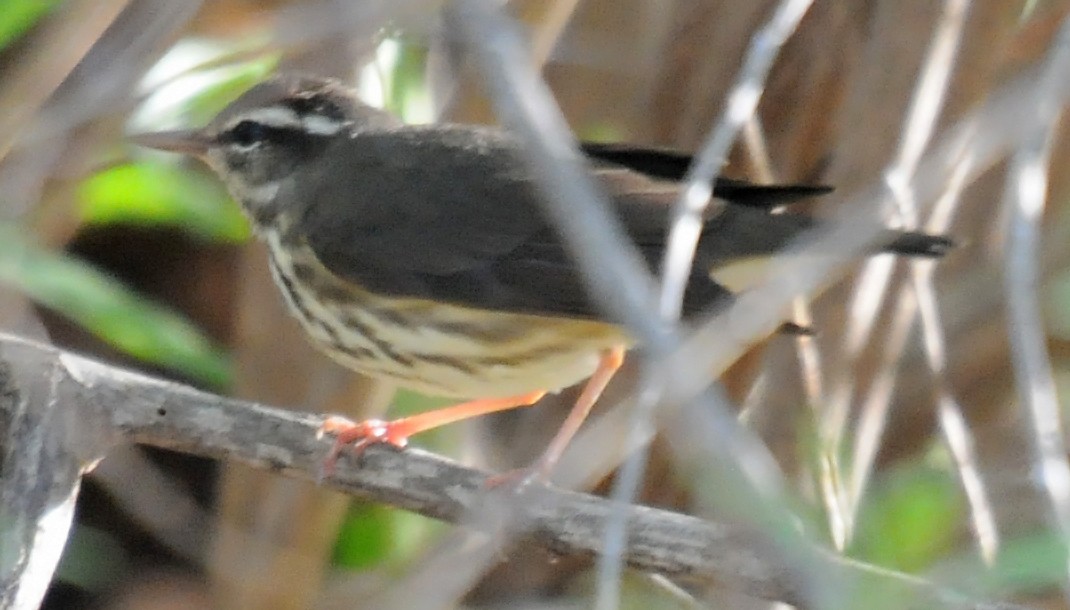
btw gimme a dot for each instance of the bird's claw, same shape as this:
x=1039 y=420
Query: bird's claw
x=357 y=437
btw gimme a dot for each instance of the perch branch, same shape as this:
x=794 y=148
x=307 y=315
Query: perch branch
x=142 y=409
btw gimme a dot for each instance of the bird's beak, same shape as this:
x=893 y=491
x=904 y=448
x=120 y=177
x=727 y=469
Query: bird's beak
x=190 y=142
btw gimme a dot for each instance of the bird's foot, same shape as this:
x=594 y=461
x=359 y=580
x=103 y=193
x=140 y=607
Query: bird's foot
x=358 y=436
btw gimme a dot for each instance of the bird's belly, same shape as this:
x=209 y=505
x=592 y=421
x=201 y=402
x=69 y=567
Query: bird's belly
x=445 y=350
x=439 y=364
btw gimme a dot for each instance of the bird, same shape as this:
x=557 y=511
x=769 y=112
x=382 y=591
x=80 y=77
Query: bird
x=419 y=253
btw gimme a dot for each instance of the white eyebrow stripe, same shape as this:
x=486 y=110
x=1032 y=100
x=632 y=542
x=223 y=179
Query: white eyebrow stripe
x=286 y=118
x=321 y=125
x=275 y=116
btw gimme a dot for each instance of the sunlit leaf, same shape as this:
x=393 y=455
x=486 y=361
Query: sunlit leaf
x=408 y=96
x=155 y=194
x=18 y=16
x=110 y=310
x=196 y=79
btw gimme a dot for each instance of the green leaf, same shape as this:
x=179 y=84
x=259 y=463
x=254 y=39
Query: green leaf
x=407 y=402
x=18 y=16
x=1028 y=562
x=110 y=310
x=1031 y=562
x=153 y=194
x=373 y=536
x=364 y=539
x=909 y=519
x=445 y=439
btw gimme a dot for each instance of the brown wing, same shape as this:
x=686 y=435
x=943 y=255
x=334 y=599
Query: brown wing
x=447 y=213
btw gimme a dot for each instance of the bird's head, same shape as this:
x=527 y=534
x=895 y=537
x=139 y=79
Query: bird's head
x=277 y=128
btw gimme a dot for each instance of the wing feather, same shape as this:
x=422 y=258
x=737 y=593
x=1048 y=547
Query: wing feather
x=447 y=213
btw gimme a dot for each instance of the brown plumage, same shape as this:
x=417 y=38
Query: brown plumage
x=420 y=253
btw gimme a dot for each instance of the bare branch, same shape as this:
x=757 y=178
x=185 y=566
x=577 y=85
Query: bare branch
x=166 y=414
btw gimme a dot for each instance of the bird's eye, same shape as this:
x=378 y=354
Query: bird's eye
x=247 y=133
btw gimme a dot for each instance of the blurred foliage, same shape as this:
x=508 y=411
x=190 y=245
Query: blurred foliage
x=1028 y=563
x=226 y=87
x=154 y=194
x=110 y=310
x=365 y=538
x=406 y=92
x=93 y=560
x=374 y=535
x=194 y=81
x=144 y=193
x=909 y=518
x=18 y=16
x=601 y=131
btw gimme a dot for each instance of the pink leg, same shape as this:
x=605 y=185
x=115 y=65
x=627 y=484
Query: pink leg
x=611 y=361
x=359 y=435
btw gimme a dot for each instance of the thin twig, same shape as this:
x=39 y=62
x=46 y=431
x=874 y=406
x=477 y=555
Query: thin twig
x=919 y=125
x=683 y=240
x=1024 y=197
x=62 y=43
x=697 y=192
x=818 y=256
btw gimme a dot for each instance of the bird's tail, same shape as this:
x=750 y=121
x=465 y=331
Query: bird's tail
x=909 y=243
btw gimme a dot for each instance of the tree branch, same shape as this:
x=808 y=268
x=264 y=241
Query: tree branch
x=132 y=407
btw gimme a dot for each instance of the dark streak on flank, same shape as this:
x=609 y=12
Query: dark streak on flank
x=519 y=358
x=305 y=274
x=339 y=295
x=297 y=299
x=453 y=363
x=288 y=287
x=368 y=333
x=358 y=353
x=392 y=316
x=491 y=332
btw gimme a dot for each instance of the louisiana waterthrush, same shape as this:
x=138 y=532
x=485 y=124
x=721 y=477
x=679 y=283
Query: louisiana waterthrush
x=419 y=253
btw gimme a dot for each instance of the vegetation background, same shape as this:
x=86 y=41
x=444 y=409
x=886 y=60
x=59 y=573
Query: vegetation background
x=905 y=437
